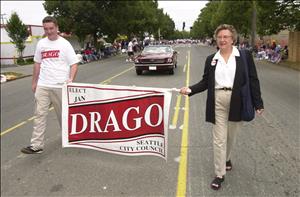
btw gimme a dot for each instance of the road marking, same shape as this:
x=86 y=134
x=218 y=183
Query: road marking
x=33 y=117
x=184 y=68
x=182 y=170
x=121 y=73
x=20 y=156
x=21 y=124
x=181 y=127
x=175 y=116
x=12 y=128
x=177 y=159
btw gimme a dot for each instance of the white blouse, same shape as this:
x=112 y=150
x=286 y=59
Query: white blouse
x=225 y=72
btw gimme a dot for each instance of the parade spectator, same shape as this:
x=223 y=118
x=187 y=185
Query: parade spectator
x=116 y=46
x=84 y=58
x=273 y=53
x=276 y=57
x=223 y=78
x=123 y=44
x=285 y=53
x=88 y=54
x=277 y=48
x=273 y=46
x=80 y=57
x=55 y=64
x=135 y=46
x=94 y=54
x=269 y=53
x=262 y=54
x=119 y=48
x=130 y=51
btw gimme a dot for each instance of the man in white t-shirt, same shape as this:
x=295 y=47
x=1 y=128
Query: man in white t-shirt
x=55 y=63
x=130 y=51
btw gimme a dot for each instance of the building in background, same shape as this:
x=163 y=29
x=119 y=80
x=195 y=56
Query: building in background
x=9 y=52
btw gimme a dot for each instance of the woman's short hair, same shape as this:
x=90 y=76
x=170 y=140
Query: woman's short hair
x=226 y=27
x=50 y=19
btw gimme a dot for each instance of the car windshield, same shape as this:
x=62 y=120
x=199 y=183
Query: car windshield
x=157 y=49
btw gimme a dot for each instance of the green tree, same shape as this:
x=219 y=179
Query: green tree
x=108 y=17
x=204 y=26
x=274 y=16
x=18 y=33
x=268 y=17
x=166 y=24
x=79 y=17
x=236 y=13
x=180 y=35
x=141 y=16
x=291 y=14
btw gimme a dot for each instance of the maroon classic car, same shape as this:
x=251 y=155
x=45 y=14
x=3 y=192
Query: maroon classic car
x=156 y=58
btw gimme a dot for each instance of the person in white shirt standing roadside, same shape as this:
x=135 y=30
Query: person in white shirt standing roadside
x=223 y=78
x=55 y=64
x=130 y=51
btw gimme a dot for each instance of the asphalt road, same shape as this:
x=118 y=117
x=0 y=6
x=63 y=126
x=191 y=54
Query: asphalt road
x=265 y=160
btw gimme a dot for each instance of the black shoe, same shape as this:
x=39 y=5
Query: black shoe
x=216 y=183
x=228 y=165
x=30 y=150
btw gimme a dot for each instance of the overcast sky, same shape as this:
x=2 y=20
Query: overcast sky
x=32 y=12
x=182 y=11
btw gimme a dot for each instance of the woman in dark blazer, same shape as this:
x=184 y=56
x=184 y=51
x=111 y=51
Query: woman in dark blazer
x=223 y=78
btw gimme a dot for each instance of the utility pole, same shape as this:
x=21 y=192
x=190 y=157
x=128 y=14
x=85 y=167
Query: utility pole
x=2 y=18
x=158 y=32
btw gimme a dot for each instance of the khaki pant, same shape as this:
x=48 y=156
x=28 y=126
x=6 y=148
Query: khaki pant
x=44 y=97
x=224 y=132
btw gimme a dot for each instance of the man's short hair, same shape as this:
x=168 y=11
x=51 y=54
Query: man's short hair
x=50 y=19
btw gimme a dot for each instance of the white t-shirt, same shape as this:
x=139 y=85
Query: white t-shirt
x=55 y=57
x=130 y=47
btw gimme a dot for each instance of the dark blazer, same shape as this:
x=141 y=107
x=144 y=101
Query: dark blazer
x=208 y=83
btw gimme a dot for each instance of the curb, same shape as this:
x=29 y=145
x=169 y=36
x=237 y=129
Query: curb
x=281 y=64
x=13 y=79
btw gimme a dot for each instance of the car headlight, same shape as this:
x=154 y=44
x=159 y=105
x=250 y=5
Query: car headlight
x=136 y=61
x=169 y=60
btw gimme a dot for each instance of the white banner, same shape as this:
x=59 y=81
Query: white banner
x=117 y=119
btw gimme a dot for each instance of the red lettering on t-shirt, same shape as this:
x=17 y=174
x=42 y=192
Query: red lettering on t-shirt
x=50 y=54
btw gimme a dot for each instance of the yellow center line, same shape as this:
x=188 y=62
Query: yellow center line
x=33 y=117
x=175 y=116
x=121 y=73
x=12 y=128
x=182 y=170
x=184 y=68
x=20 y=124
